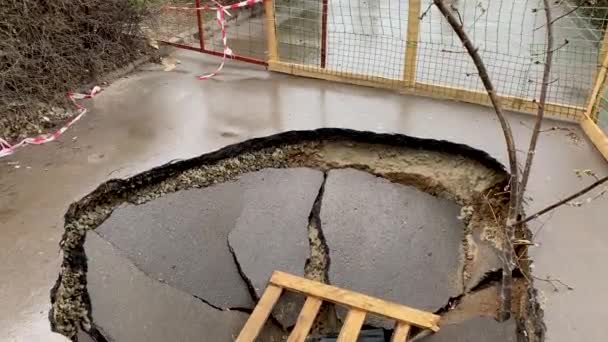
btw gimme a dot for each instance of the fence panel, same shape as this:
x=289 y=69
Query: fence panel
x=409 y=46
x=361 y=42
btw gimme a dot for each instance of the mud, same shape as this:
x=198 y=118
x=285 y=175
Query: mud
x=457 y=172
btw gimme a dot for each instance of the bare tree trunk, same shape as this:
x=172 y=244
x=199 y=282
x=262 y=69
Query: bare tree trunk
x=507 y=278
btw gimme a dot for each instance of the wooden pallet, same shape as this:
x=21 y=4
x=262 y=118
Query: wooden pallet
x=359 y=306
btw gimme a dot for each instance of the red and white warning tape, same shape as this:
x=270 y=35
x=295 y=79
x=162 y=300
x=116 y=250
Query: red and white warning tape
x=8 y=149
x=221 y=12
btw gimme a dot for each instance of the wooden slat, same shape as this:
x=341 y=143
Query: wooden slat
x=513 y=103
x=401 y=332
x=356 y=300
x=599 y=83
x=260 y=314
x=271 y=34
x=305 y=319
x=352 y=326
x=596 y=135
x=335 y=76
x=411 y=46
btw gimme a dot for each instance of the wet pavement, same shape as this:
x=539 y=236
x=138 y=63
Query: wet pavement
x=152 y=117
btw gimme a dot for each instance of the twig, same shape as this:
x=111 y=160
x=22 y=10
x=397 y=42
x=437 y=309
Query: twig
x=561 y=16
x=426 y=11
x=550 y=82
x=586 y=172
x=552 y=281
x=566 y=42
x=459 y=16
x=562 y=201
x=452 y=51
x=507 y=277
x=542 y=226
x=483 y=11
x=550 y=129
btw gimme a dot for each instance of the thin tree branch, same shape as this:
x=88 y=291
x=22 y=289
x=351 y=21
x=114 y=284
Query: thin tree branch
x=561 y=16
x=512 y=216
x=454 y=9
x=541 y=108
x=566 y=42
x=550 y=82
x=552 y=282
x=426 y=11
x=562 y=201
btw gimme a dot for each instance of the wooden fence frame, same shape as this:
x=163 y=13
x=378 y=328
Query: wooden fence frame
x=408 y=84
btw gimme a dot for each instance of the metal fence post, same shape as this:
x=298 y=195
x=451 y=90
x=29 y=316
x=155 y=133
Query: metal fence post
x=324 y=34
x=411 y=44
x=199 y=20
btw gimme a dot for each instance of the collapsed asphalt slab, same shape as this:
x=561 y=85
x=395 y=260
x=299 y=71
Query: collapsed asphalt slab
x=272 y=231
x=392 y=241
x=127 y=305
x=181 y=239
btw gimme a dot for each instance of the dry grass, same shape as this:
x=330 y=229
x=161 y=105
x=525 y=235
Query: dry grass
x=50 y=47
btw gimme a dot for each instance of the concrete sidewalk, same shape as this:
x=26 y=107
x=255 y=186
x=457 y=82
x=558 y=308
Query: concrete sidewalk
x=152 y=117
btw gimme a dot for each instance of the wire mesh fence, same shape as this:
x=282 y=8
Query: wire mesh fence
x=367 y=41
x=407 y=45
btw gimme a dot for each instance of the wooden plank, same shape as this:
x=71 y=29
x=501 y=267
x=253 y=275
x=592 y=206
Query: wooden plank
x=411 y=45
x=601 y=55
x=352 y=326
x=401 y=332
x=260 y=314
x=596 y=135
x=517 y=104
x=521 y=105
x=305 y=319
x=335 y=76
x=356 y=300
x=597 y=88
x=271 y=34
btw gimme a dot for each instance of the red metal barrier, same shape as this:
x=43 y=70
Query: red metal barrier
x=201 y=42
x=199 y=21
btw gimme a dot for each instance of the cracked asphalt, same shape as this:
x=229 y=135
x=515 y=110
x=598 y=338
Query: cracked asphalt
x=384 y=239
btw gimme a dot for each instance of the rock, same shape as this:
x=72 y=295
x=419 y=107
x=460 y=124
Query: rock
x=478 y=329
x=272 y=231
x=391 y=241
x=127 y=305
x=486 y=259
x=182 y=240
